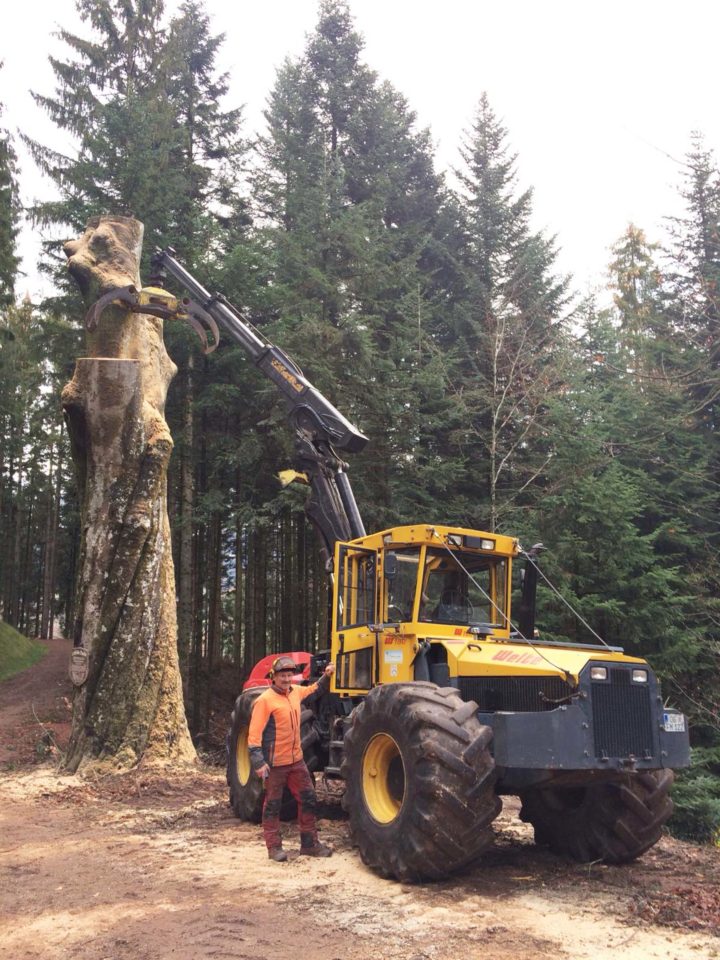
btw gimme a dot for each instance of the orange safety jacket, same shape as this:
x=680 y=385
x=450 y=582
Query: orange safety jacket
x=274 y=734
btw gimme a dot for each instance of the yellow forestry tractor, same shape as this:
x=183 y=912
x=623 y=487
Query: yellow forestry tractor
x=441 y=701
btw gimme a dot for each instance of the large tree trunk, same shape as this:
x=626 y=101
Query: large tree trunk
x=129 y=708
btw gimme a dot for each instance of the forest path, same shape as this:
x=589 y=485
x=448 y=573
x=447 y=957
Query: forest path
x=35 y=707
x=149 y=866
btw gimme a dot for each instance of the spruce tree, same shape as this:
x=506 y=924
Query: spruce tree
x=140 y=98
x=692 y=288
x=351 y=200
x=37 y=523
x=505 y=332
x=9 y=216
x=111 y=99
x=606 y=518
x=342 y=276
x=629 y=528
x=211 y=152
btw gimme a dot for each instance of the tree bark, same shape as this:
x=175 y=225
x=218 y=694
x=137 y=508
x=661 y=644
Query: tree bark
x=187 y=599
x=47 y=620
x=130 y=706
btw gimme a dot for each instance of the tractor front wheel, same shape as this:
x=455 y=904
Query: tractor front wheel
x=420 y=781
x=615 y=821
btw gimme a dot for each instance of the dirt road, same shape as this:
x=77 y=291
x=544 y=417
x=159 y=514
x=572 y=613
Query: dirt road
x=35 y=708
x=150 y=866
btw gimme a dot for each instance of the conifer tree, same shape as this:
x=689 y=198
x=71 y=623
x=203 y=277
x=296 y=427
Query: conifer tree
x=351 y=199
x=9 y=216
x=694 y=306
x=505 y=329
x=693 y=294
x=140 y=97
x=694 y=279
x=111 y=99
x=36 y=552
x=607 y=518
x=211 y=154
x=341 y=276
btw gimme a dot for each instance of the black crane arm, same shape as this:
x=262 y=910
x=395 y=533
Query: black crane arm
x=320 y=429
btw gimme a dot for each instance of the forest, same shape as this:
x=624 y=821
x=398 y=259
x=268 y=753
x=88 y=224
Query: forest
x=426 y=307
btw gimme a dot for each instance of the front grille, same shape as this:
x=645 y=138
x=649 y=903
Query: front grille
x=622 y=719
x=521 y=694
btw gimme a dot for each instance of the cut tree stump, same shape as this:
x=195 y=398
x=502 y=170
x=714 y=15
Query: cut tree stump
x=129 y=708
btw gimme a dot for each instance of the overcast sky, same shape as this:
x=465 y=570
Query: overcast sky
x=599 y=98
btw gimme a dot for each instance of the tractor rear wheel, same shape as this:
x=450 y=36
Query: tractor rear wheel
x=615 y=821
x=246 y=788
x=420 y=781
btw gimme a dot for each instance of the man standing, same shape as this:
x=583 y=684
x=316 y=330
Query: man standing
x=276 y=756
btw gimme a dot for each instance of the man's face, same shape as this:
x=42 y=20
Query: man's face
x=283 y=679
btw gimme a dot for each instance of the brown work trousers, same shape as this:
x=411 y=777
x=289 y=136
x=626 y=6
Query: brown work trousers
x=296 y=777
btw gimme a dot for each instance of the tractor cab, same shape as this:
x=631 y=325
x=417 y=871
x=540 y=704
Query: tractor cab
x=402 y=591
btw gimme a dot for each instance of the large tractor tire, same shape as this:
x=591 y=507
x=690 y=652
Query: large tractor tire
x=420 y=781
x=310 y=740
x=615 y=822
x=246 y=788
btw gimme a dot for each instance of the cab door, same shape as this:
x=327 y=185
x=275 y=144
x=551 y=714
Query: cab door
x=354 y=646
x=398 y=604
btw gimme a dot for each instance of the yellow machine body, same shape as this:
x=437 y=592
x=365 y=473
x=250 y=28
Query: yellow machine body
x=383 y=619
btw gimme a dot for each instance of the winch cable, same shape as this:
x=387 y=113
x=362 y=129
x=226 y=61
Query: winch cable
x=568 y=604
x=567 y=676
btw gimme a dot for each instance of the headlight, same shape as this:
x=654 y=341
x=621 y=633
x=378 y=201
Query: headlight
x=639 y=676
x=598 y=673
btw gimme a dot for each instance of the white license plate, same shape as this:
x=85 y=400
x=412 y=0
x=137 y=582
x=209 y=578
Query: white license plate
x=674 y=722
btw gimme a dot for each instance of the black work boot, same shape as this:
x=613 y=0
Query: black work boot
x=277 y=854
x=310 y=846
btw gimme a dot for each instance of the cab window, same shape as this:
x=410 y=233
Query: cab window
x=400 y=591
x=356 y=587
x=475 y=594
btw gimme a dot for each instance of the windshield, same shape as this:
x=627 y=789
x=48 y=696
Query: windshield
x=451 y=596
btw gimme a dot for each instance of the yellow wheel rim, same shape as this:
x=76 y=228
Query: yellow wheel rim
x=383 y=778
x=242 y=757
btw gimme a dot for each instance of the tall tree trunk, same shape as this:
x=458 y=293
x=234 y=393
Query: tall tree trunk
x=260 y=615
x=302 y=584
x=239 y=592
x=249 y=649
x=288 y=637
x=24 y=573
x=187 y=498
x=129 y=706
x=214 y=614
x=16 y=528
x=48 y=592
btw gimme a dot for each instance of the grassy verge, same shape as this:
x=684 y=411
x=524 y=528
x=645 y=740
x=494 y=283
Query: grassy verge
x=17 y=652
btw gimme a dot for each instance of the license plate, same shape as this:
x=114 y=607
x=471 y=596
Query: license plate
x=674 y=722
